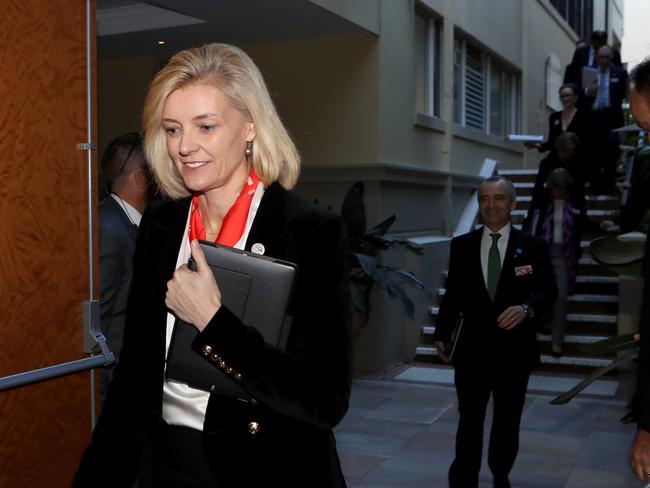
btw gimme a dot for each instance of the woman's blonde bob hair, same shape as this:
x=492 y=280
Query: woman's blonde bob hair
x=229 y=69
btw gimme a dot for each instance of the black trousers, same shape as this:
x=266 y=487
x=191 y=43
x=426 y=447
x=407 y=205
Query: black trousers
x=474 y=387
x=606 y=150
x=182 y=460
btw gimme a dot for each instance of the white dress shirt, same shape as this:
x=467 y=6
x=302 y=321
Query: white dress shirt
x=182 y=404
x=604 y=87
x=130 y=211
x=486 y=244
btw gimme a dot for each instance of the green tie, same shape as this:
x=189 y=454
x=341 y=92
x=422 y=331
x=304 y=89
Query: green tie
x=494 y=266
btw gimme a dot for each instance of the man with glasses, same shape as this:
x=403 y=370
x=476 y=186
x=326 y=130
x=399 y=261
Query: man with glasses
x=127 y=177
x=604 y=98
x=585 y=55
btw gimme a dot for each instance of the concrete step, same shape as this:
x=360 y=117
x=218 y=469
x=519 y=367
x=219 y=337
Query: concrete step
x=594 y=362
x=429 y=329
x=524 y=187
x=518 y=175
x=594 y=202
x=594 y=214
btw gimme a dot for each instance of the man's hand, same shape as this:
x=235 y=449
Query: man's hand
x=194 y=296
x=640 y=455
x=511 y=317
x=440 y=346
x=592 y=89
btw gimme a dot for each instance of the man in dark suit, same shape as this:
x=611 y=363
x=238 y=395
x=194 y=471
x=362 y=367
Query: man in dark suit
x=586 y=56
x=499 y=280
x=640 y=452
x=604 y=98
x=124 y=169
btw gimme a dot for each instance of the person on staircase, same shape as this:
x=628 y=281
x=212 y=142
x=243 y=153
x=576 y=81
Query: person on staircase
x=569 y=119
x=562 y=220
x=567 y=155
x=604 y=99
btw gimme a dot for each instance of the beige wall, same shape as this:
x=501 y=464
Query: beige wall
x=327 y=93
x=121 y=87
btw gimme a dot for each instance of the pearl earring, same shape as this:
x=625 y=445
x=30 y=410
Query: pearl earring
x=249 y=149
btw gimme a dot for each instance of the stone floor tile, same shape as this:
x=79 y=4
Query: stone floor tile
x=409 y=467
x=402 y=435
x=607 y=451
x=356 y=465
x=597 y=478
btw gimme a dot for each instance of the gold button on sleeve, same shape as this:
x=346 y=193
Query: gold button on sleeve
x=253 y=428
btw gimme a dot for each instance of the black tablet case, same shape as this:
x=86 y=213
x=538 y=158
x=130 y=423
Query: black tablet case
x=255 y=288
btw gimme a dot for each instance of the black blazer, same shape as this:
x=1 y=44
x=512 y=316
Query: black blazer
x=116 y=247
x=300 y=394
x=580 y=125
x=481 y=343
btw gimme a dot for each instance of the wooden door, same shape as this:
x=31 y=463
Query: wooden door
x=44 y=270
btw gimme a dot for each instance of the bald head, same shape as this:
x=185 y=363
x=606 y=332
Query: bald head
x=604 y=57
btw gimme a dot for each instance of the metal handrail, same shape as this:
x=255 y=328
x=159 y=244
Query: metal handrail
x=106 y=358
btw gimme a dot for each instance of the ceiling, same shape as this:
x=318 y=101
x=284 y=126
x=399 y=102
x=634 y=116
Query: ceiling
x=127 y=28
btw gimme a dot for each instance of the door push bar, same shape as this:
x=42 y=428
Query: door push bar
x=94 y=342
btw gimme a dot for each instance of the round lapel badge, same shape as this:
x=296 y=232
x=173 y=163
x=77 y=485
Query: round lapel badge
x=258 y=248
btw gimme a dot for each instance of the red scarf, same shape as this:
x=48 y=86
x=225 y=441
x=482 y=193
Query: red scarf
x=234 y=222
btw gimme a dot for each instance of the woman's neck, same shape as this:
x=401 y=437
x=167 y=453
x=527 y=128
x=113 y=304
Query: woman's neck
x=215 y=204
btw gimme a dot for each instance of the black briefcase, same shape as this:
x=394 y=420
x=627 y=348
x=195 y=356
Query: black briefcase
x=255 y=288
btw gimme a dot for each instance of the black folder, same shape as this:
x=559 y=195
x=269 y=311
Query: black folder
x=255 y=288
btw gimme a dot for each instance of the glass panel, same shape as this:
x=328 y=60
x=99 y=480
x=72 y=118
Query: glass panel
x=458 y=80
x=436 y=70
x=475 y=86
x=508 y=114
x=421 y=64
x=496 y=100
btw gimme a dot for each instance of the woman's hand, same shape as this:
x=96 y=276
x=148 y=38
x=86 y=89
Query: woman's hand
x=194 y=296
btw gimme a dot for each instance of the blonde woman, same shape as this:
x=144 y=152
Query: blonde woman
x=221 y=155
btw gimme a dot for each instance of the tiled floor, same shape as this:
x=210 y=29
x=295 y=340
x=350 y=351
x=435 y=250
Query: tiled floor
x=400 y=434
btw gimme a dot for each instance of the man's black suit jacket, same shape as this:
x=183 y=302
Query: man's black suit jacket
x=526 y=278
x=117 y=236
x=300 y=393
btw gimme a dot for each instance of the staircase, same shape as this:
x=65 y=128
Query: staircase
x=592 y=309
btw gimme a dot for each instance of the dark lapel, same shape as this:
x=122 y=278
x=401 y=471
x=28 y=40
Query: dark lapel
x=130 y=227
x=474 y=262
x=167 y=229
x=270 y=225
